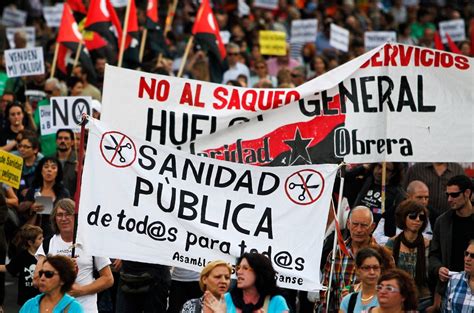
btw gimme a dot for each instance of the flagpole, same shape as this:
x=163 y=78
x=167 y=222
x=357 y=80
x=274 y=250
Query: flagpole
x=384 y=180
x=142 y=44
x=77 y=195
x=334 y=246
x=76 y=58
x=168 y=24
x=124 y=34
x=55 y=59
x=185 y=56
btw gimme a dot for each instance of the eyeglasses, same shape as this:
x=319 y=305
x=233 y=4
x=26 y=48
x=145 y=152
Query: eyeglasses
x=367 y=268
x=295 y=75
x=470 y=254
x=47 y=274
x=20 y=146
x=233 y=53
x=260 y=67
x=48 y=92
x=454 y=194
x=388 y=288
x=63 y=215
x=414 y=215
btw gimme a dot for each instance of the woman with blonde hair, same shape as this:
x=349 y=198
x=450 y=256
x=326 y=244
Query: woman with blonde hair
x=214 y=282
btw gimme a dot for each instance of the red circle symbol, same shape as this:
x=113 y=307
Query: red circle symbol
x=304 y=187
x=117 y=149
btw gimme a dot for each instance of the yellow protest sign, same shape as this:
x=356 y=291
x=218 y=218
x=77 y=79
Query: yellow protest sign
x=10 y=169
x=272 y=42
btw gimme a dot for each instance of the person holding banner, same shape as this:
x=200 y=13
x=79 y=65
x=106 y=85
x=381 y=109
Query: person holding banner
x=256 y=287
x=214 y=281
x=360 y=224
x=85 y=287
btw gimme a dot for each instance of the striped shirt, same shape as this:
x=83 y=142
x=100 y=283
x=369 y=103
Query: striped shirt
x=459 y=296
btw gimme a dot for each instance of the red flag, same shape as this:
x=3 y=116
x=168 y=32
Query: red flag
x=452 y=45
x=77 y=6
x=68 y=29
x=437 y=42
x=132 y=25
x=63 y=54
x=152 y=11
x=206 y=23
x=100 y=17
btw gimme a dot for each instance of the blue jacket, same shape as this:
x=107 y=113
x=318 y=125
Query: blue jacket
x=33 y=305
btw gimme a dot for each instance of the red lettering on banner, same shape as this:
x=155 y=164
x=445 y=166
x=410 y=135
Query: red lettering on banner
x=187 y=96
x=400 y=55
x=251 y=99
x=158 y=90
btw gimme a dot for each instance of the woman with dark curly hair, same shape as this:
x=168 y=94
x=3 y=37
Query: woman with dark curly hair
x=56 y=277
x=396 y=292
x=256 y=287
x=47 y=183
x=410 y=248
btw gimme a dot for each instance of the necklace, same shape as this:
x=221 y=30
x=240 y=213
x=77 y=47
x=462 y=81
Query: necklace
x=366 y=299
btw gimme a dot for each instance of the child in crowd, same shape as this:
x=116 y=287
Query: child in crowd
x=28 y=240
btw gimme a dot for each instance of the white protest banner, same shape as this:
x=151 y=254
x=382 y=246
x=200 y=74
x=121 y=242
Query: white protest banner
x=303 y=31
x=24 y=62
x=339 y=38
x=374 y=39
x=46 y=125
x=13 y=17
x=170 y=207
x=53 y=14
x=66 y=112
x=30 y=36
x=455 y=29
x=385 y=105
x=266 y=4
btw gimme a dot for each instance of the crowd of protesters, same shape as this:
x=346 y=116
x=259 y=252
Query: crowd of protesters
x=418 y=254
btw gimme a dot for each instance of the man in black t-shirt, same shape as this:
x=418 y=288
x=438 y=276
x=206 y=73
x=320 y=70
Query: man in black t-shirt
x=452 y=232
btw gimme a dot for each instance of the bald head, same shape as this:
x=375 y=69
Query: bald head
x=419 y=192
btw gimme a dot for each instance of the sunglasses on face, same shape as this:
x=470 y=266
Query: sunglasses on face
x=48 y=92
x=47 y=274
x=414 y=215
x=470 y=254
x=454 y=194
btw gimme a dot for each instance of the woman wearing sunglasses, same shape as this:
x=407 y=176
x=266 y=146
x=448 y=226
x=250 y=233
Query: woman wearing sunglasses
x=396 y=292
x=410 y=248
x=56 y=277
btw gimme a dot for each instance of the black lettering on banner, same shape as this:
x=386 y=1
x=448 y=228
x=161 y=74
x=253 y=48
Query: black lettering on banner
x=347 y=143
x=80 y=106
x=58 y=112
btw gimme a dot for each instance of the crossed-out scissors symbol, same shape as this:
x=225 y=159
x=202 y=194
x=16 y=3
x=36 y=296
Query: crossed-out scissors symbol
x=304 y=188
x=118 y=148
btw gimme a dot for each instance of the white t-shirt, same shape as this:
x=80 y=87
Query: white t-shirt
x=84 y=277
x=234 y=72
